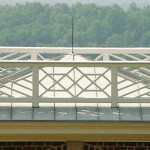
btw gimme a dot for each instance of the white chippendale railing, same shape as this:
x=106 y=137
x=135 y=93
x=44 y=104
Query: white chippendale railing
x=74 y=82
x=55 y=53
x=23 y=80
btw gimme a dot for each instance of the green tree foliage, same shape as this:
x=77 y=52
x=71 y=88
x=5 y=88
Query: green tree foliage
x=34 y=24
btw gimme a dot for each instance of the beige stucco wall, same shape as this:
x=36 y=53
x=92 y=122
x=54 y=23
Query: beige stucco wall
x=75 y=131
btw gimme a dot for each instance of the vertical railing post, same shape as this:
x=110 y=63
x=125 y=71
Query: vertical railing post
x=35 y=102
x=105 y=56
x=114 y=89
x=34 y=55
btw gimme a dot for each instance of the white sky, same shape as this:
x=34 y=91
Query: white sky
x=123 y=3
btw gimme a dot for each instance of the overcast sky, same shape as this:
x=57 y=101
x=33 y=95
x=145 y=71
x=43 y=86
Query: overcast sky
x=123 y=3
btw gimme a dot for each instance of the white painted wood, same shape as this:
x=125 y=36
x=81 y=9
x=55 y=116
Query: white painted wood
x=74 y=79
x=114 y=87
x=35 y=86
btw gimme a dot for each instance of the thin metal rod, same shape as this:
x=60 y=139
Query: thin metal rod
x=72 y=34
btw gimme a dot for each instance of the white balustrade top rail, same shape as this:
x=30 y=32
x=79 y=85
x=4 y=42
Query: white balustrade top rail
x=78 y=50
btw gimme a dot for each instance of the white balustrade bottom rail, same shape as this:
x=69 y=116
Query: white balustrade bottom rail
x=38 y=82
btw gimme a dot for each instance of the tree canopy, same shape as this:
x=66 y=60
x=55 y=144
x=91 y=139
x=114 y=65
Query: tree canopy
x=34 y=24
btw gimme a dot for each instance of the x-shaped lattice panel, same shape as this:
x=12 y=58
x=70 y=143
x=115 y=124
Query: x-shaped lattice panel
x=75 y=82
